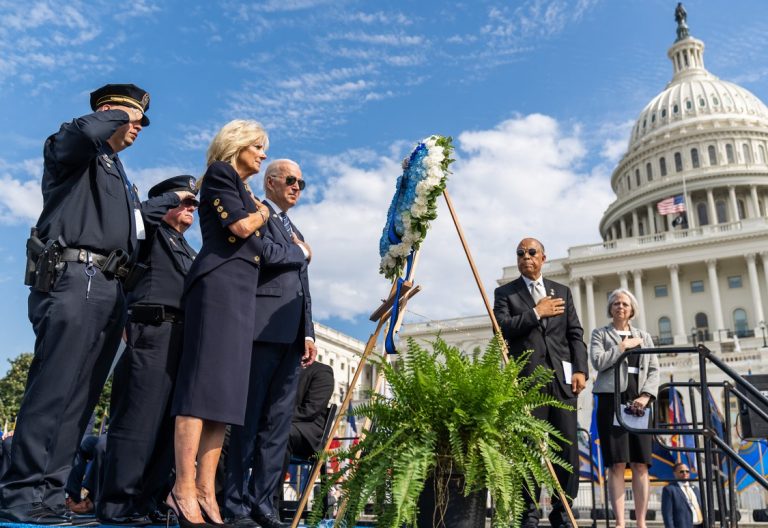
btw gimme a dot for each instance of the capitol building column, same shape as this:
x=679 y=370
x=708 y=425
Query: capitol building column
x=576 y=292
x=681 y=337
x=711 y=207
x=734 y=204
x=764 y=259
x=623 y=283
x=623 y=224
x=754 y=285
x=637 y=275
x=649 y=214
x=635 y=224
x=589 y=282
x=755 y=200
x=717 y=307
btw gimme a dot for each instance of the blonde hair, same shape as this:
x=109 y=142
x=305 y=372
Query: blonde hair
x=231 y=139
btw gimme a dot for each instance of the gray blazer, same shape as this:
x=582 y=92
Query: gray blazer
x=603 y=353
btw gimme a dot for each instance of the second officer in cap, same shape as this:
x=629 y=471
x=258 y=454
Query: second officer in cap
x=78 y=256
x=139 y=455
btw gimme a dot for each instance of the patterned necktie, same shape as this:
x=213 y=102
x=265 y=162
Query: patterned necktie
x=537 y=291
x=286 y=223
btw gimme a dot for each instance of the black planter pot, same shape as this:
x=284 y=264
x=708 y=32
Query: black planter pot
x=457 y=511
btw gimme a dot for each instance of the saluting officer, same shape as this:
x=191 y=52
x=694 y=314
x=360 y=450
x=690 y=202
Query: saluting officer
x=139 y=455
x=80 y=252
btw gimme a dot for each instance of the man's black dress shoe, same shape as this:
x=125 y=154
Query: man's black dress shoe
x=243 y=522
x=269 y=520
x=37 y=513
x=138 y=520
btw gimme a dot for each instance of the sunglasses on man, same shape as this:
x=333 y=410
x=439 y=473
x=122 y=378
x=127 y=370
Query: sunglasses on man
x=290 y=180
x=190 y=202
x=531 y=251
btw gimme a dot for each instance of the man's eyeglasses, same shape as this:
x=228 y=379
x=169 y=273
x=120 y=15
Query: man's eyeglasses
x=190 y=202
x=531 y=251
x=290 y=180
x=683 y=471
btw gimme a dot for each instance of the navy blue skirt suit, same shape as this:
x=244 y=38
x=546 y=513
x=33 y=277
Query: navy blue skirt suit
x=220 y=305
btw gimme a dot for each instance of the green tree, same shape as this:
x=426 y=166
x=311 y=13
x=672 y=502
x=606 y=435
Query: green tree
x=12 y=387
x=12 y=391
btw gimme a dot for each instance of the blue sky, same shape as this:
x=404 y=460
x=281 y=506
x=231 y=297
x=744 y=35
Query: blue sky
x=539 y=96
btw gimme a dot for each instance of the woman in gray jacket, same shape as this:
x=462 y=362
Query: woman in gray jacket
x=639 y=379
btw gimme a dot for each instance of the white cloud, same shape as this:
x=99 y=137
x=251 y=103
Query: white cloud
x=20 y=197
x=509 y=182
x=616 y=140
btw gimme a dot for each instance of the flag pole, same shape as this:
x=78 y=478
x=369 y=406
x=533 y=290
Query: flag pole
x=497 y=332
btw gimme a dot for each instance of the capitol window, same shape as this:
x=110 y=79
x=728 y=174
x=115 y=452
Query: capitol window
x=712 y=155
x=734 y=282
x=760 y=154
x=688 y=104
x=747 y=153
x=663 y=112
x=715 y=101
x=649 y=171
x=653 y=117
x=740 y=323
x=678 y=162
x=697 y=286
x=720 y=210
x=702 y=102
x=701 y=210
x=665 y=331
x=637 y=177
x=675 y=109
x=660 y=290
x=729 y=153
x=663 y=166
x=695 y=158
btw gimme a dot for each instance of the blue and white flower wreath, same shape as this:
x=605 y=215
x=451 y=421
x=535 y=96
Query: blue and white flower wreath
x=414 y=205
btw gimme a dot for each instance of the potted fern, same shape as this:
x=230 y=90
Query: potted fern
x=452 y=422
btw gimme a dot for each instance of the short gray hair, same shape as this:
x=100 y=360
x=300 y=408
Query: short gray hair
x=632 y=301
x=276 y=167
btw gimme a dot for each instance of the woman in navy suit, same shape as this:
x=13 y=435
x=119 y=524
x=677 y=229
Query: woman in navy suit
x=220 y=304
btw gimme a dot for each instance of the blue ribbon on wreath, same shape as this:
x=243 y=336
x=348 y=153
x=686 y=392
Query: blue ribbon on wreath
x=389 y=341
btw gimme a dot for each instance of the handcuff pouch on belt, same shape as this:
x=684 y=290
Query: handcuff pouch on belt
x=155 y=314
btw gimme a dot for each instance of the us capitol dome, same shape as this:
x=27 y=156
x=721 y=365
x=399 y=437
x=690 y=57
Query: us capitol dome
x=700 y=276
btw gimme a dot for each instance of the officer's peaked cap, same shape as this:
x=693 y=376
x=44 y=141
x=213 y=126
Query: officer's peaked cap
x=185 y=182
x=122 y=94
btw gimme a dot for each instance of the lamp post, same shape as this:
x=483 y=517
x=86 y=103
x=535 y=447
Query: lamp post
x=762 y=329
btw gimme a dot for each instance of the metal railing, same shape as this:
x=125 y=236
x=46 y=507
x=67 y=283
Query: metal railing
x=715 y=450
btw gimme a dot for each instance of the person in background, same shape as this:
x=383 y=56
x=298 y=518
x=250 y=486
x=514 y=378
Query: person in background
x=639 y=379
x=681 y=501
x=139 y=458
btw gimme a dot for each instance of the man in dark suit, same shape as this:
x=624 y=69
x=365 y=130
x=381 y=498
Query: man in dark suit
x=314 y=393
x=680 y=501
x=284 y=339
x=537 y=314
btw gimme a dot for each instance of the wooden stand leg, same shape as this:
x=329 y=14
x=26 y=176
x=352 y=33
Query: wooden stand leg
x=497 y=331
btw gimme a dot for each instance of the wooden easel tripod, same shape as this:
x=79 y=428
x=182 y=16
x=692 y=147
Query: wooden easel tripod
x=382 y=315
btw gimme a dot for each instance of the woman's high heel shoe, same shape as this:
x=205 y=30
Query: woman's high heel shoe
x=210 y=521
x=183 y=521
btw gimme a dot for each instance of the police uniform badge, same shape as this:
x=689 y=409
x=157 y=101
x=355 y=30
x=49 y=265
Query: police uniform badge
x=192 y=183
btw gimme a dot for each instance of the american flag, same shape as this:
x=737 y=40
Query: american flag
x=673 y=204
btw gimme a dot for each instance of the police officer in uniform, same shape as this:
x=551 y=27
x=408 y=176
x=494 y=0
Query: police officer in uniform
x=139 y=455
x=78 y=257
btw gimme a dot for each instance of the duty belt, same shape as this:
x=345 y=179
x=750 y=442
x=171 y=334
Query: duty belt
x=81 y=255
x=155 y=314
